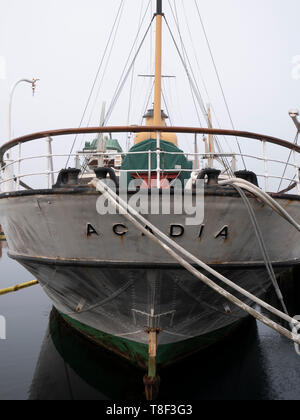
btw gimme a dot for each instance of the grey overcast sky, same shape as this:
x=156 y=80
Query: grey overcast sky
x=256 y=45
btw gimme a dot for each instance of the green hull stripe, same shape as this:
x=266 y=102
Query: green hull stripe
x=137 y=353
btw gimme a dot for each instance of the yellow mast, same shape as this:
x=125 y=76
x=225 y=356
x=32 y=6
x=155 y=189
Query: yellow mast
x=158 y=65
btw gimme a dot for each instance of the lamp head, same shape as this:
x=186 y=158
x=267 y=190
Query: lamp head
x=294 y=113
x=33 y=83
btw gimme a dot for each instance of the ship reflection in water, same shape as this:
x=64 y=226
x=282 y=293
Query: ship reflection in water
x=246 y=366
x=70 y=367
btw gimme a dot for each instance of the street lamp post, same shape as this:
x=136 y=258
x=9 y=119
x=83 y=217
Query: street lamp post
x=8 y=172
x=33 y=85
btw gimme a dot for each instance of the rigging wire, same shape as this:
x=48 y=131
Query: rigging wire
x=195 y=88
x=179 y=106
x=262 y=246
x=164 y=96
x=131 y=90
x=195 y=104
x=96 y=78
x=223 y=159
x=151 y=83
x=199 y=97
x=170 y=95
x=151 y=63
x=218 y=77
x=288 y=160
x=129 y=110
x=185 y=57
x=125 y=74
x=105 y=69
x=103 y=75
x=108 y=115
x=194 y=50
x=185 y=61
x=145 y=108
x=201 y=74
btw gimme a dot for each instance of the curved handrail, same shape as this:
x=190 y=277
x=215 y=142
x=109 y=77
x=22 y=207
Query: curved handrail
x=148 y=129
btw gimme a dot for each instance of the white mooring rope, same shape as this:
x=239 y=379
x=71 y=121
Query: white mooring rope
x=266 y=198
x=131 y=215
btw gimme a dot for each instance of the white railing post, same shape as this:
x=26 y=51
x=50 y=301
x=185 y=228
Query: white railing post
x=233 y=164
x=8 y=184
x=196 y=156
x=50 y=175
x=266 y=166
x=149 y=168
x=77 y=161
x=19 y=165
x=297 y=172
x=158 y=170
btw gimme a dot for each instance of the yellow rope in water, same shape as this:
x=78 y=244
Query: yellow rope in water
x=18 y=287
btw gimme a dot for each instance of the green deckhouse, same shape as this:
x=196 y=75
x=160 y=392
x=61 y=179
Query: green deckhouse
x=111 y=144
x=175 y=160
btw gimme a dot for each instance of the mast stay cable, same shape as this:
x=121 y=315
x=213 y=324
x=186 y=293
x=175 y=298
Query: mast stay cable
x=185 y=59
x=124 y=75
x=201 y=74
x=262 y=246
x=219 y=78
x=197 y=93
x=102 y=78
x=288 y=160
x=105 y=69
x=96 y=78
x=131 y=89
x=224 y=160
x=258 y=232
x=145 y=107
x=186 y=63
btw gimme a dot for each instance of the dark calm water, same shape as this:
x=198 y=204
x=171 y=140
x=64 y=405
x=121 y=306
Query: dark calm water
x=43 y=359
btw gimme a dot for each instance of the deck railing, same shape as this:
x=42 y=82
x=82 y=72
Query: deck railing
x=14 y=177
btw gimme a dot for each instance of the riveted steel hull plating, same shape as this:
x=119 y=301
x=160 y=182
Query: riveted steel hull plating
x=120 y=284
